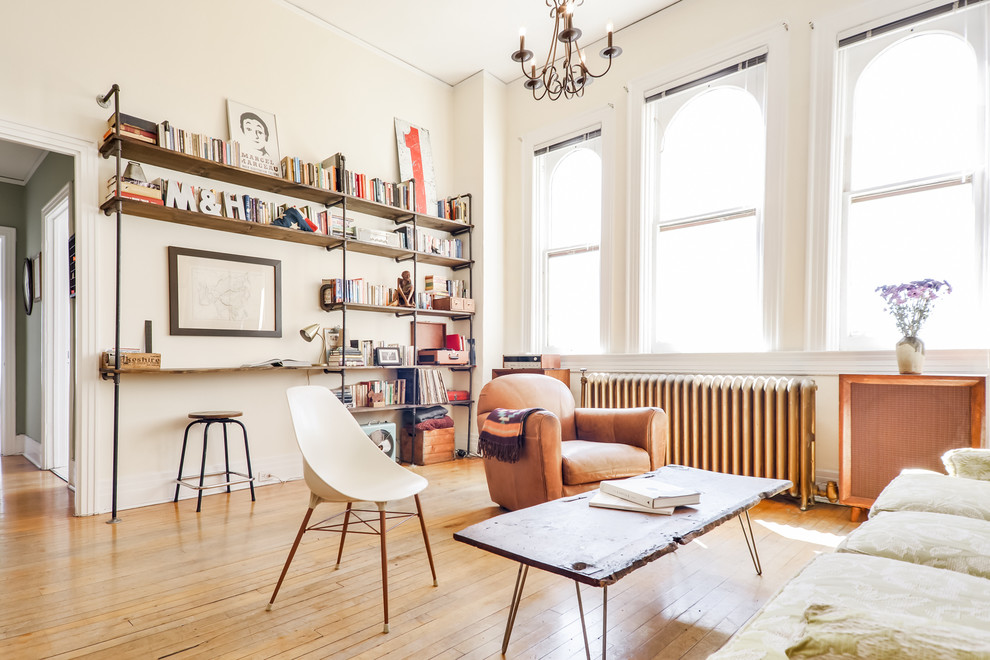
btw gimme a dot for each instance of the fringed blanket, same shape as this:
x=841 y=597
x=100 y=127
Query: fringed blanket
x=502 y=433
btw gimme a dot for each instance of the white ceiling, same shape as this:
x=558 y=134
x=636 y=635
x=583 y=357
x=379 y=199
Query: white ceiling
x=453 y=39
x=450 y=40
x=18 y=162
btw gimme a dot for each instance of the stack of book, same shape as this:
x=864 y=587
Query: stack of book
x=350 y=358
x=647 y=494
x=133 y=127
x=141 y=191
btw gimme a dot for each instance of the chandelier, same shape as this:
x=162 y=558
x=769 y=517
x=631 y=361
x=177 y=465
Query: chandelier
x=573 y=75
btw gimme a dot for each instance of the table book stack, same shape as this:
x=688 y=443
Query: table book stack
x=646 y=494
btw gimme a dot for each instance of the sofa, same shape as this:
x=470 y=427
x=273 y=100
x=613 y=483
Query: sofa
x=911 y=582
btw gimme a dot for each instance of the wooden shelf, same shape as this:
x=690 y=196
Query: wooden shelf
x=218 y=223
x=398 y=311
x=132 y=149
x=204 y=370
x=408 y=406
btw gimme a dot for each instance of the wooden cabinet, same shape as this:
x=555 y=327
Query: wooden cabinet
x=889 y=422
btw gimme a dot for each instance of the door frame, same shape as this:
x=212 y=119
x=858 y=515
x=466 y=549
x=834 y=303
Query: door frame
x=92 y=471
x=8 y=380
x=55 y=331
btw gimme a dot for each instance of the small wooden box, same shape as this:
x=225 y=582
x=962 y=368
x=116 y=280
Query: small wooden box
x=451 y=304
x=427 y=447
x=134 y=361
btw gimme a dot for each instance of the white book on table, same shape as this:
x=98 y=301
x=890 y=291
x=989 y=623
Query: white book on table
x=651 y=491
x=606 y=501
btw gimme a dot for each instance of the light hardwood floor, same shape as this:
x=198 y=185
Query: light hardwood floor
x=170 y=583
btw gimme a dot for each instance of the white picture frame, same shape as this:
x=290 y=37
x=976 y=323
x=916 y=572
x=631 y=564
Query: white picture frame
x=256 y=133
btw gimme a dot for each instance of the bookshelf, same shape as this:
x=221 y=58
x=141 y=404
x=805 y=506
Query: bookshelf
x=121 y=147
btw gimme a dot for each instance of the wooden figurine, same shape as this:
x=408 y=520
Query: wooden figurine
x=405 y=290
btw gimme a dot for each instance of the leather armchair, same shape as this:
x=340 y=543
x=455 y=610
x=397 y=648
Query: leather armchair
x=567 y=450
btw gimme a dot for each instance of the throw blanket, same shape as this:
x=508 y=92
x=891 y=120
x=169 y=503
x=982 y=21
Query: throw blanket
x=501 y=435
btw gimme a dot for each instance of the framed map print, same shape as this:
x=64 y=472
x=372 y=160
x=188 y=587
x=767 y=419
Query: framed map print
x=223 y=295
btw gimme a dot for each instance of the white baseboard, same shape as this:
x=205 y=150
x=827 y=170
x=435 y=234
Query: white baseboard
x=32 y=449
x=148 y=489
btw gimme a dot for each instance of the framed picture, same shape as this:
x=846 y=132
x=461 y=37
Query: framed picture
x=387 y=357
x=36 y=277
x=223 y=295
x=28 y=290
x=255 y=131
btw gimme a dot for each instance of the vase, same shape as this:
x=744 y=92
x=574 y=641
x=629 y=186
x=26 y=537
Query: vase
x=910 y=355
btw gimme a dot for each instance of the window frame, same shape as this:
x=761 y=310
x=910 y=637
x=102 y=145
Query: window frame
x=533 y=294
x=830 y=189
x=660 y=118
x=774 y=42
x=544 y=252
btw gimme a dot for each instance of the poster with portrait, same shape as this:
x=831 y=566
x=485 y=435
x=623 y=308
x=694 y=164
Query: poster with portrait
x=255 y=131
x=416 y=162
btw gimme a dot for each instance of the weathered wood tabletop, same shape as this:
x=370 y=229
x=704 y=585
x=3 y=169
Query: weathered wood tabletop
x=597 y=546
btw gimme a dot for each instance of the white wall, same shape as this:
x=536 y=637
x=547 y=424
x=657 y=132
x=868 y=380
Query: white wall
x=696 y=32
x=328 y=93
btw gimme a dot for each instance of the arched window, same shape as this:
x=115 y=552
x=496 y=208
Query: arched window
x=913 y=162
x=706 y=205
x=569 y=213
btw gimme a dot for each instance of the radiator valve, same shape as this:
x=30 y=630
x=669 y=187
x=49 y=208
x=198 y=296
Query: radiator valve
x=830 y=492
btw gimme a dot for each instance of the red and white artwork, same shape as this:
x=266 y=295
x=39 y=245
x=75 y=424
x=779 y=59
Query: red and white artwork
x=416 y=162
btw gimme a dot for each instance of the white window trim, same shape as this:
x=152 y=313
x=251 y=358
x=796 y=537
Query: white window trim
x=533 y=284
x=773 y=41
x=822 y=296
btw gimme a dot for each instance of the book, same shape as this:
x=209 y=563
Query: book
x=280 y=362
x=135 y=189
x=606 y=501
x=131 y=120
x=141 y=198
x=650 y=491
x=135 y=133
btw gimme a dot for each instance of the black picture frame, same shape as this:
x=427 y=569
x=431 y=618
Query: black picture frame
x=215 y=294
x=387 y=357
x=28 y=288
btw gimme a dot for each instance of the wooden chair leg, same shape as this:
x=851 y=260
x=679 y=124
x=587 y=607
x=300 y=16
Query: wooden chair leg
x=381 y=522
x=426 y=539
x=343 y=533
x=292 y=553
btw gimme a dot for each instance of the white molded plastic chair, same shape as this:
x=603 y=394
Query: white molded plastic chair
x=341 y=464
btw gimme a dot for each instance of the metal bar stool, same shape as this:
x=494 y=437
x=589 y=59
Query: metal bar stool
x=223 y=417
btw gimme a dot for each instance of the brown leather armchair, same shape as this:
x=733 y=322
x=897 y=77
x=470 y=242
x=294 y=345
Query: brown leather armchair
x=567 y=450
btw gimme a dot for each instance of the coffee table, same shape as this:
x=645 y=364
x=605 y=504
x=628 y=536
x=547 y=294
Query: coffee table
x=597 y=547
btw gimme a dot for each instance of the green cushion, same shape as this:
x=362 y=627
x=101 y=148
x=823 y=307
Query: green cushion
x=920 y=537
x=968 y=463
x=833 y=632
x=920 y=490
x=888 y=588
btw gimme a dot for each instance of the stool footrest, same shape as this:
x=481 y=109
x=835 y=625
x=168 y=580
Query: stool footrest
x=183 y=480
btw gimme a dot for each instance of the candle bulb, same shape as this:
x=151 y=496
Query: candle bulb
x=608 y=29
x=533 y=70
x=522 y=38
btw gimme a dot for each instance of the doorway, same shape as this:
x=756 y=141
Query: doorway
x=56 y=351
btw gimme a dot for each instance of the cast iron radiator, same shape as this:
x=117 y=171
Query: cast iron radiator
x=759 y=426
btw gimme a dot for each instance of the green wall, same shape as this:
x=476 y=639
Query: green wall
x=12 y=215
x=50 y=177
